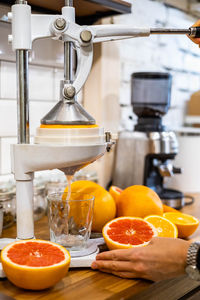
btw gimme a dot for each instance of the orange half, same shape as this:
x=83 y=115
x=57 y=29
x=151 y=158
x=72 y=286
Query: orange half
x=186 y=224
x=164 y=227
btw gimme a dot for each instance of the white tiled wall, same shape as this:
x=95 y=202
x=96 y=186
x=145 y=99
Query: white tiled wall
x=174 y=54
x=43 y=94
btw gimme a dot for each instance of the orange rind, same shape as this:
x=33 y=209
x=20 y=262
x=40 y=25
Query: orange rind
x=186 y=224
x=164 y=227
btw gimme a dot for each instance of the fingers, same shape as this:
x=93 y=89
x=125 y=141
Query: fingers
x=113 y=266
x=122 y=255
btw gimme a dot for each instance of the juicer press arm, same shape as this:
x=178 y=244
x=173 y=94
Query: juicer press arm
x=27 y=27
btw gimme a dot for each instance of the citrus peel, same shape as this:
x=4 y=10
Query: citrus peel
x=186 y=224
x=35 y=264
x=139 y=201
x=128 y=232
x=164 y=227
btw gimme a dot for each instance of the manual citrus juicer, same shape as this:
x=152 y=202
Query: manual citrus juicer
x=70 y=147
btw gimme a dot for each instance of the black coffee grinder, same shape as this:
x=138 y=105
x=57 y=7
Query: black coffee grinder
x=150 y=98
x=145 y=156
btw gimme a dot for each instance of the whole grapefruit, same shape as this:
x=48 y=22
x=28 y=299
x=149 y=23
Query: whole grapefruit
x=139 y=201
x=104 y=204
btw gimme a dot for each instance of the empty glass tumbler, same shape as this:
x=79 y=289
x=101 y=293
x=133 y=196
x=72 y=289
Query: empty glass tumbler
x=70 y=220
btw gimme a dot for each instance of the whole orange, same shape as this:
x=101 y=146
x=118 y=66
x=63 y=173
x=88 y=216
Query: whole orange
x=115 y=192
x=139 y=201
x=104 y=204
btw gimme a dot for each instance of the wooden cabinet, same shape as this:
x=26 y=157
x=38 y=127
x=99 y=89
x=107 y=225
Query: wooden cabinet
x=87 y=11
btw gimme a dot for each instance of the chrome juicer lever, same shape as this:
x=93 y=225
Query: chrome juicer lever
x=193 y=32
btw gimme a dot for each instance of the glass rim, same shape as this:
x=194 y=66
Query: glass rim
x=60 y=194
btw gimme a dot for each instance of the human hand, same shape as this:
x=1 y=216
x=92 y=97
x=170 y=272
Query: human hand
x=196 y=40
x=163 y=258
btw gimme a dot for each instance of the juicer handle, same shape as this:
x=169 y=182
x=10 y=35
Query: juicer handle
x=103 y=33
x=195 y=32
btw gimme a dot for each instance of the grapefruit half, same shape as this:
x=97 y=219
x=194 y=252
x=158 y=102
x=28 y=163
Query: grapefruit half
x=35 y=264
x=128 y=232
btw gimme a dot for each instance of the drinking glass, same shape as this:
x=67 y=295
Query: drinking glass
x=70 y=220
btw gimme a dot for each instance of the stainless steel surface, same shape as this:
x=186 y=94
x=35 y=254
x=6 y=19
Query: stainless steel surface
x=165 y=169
x=170 y=31
x=131 y=151
x=109 y=141
x=60 y=23
x=69 y=92
x=175 y=203
x=68 y=61
x=68 y=54
x=69 y=2
x=163 y=142
x=67 y=112
x=22 y=96
x=20 y=2
x=86 y=36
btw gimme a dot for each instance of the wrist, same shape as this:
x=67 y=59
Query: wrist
x=193 y=261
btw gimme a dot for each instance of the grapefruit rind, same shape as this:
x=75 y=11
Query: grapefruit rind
x=112 y=245
x=34 y=278
x=165 y=220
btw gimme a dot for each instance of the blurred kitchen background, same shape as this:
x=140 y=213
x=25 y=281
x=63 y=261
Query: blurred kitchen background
x=107 y=93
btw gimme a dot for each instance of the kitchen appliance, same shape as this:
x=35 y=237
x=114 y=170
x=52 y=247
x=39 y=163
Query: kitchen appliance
x=68 y=138
x=151 y=146
x=189 y=143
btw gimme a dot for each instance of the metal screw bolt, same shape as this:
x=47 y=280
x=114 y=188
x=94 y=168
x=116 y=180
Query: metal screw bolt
x=69 y=91
x=86 y=36
x=20 y=2
x=60 y=24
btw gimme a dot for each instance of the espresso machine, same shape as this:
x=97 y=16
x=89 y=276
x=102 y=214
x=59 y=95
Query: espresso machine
x=68 y=138
x=151 y=147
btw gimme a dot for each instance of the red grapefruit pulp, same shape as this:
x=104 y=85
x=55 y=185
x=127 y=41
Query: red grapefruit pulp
x=128 y=232
x=35 y=264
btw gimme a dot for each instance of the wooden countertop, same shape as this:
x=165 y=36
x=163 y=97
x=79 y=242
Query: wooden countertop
x=88 y=284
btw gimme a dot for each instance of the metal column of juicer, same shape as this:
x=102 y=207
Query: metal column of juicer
x=66 y=154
